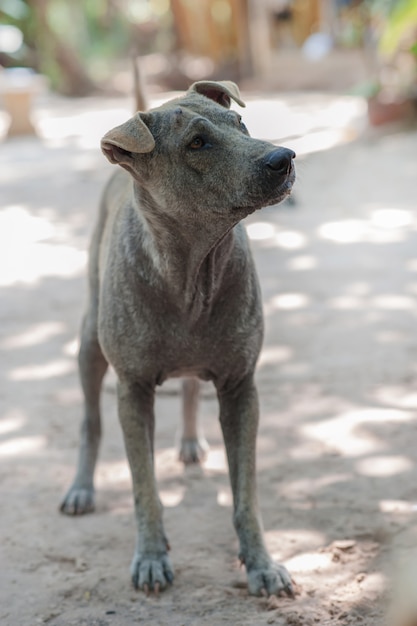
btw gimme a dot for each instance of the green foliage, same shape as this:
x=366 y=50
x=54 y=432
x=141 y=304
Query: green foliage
x=401 y=23
x=84 y=36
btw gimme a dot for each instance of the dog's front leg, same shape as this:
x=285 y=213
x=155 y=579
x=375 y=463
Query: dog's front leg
x=151 y=568
x=239 y=420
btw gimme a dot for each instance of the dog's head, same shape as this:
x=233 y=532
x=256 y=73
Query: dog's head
x=195 y=154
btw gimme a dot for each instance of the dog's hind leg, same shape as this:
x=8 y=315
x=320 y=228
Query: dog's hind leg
x=193 y=446
x=92 y=367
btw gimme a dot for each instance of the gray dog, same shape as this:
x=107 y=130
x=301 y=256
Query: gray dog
x=173 y=291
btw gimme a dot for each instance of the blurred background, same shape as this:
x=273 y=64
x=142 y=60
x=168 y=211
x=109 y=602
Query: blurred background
x=82 y=47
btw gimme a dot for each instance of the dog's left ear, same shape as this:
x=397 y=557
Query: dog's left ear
x=221 y=92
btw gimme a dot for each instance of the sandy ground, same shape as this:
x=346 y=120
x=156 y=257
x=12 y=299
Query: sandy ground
x=337 y=446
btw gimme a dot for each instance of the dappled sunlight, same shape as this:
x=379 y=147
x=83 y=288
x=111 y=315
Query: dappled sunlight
x=11 y=421
x=302 y=263
x=28 y=251
x=34 y=335
x=311 y=562
x=383 y=225
x=23 y=446
x=286 y=302
x=173 y=497
x=272 y=235
x=275 y=354
x=347 y=432
x=301 y=491
x=216 y=460
x=52 y=369
x=72 y=347
x=224 y=497
x=85 y=127
x=398 y=506
x=321 y=140
x=398 y=396
x=333 y=122
x=111 y=474
x=392 y=218
x=290 y=240
x=343 y=231
x=380 y=466
x=393 y=302
x=346 y=303
x=258 y=231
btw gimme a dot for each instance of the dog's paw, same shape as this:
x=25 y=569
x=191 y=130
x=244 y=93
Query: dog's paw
x=270 y=579
x=193 y=450
x=151 y=572
x=78 y=501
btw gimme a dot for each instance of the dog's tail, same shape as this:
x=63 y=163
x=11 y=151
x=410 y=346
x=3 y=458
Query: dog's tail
x=139 y=91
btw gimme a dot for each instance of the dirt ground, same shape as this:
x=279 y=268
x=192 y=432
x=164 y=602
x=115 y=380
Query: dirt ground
x=337 y=447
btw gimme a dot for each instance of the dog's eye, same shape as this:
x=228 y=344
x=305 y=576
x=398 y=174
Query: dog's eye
x=197 y=143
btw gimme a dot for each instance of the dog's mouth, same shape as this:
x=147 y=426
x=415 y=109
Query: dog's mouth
x=275 y=196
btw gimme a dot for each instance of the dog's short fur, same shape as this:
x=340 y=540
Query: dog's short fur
x=173 y=292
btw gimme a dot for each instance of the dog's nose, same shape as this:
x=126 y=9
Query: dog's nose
x=280 y=160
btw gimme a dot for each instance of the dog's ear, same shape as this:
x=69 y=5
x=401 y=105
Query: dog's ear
x=221 y=92
x=121 y=143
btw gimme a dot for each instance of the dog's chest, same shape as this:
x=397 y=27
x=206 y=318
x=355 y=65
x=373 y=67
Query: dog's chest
x=158 y=343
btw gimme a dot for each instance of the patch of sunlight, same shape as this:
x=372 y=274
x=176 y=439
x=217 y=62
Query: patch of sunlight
x=373 y=583
x=25 y=256
x=290 y=240
x=275 y=354
x=346 y=432
x=295 y=489
x=11 y=422
x=398 y=396
x=34 y=335
x=310 y=562
x=343 y=231
x=397 y=506
x=32 y=262
x=320 y=140
x=301 y=263
x=42 y=372
x=287 y=302
x=384 y=466
x=112 y=473
x=173 y=496
x=393 y=302
x=259 y=231
x=88 y=127
x=392 y=218
x=346 y=303
x=17 y=225
x=224 y=497
x=22 y=445
x=216 y=460
x=328 y=121
x=72 y=347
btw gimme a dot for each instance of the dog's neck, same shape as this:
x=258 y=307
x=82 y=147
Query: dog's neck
x=190 y=257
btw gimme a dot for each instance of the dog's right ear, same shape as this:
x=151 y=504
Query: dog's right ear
x=121 y=143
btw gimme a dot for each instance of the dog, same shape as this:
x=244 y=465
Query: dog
x=173 y=292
